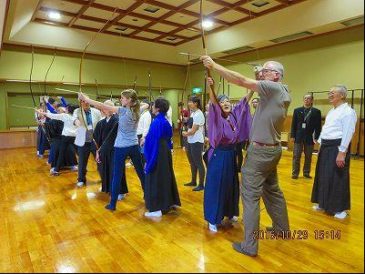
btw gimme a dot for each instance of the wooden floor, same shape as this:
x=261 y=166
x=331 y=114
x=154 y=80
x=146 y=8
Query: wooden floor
x=47 y=224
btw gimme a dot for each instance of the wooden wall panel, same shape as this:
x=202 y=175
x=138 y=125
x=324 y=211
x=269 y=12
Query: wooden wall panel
x=18 y=139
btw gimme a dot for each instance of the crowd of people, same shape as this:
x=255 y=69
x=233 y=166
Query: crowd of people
x=213 y=141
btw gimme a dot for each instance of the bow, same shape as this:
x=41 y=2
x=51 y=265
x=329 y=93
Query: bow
x=186 y=83
x=49 y=68
x=82 y=61
x=30 y=78
x=207 y=71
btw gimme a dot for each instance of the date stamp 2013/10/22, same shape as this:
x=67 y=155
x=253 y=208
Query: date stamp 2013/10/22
x=301 y=234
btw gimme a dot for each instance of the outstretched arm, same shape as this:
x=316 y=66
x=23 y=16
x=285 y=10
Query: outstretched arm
x=231 y=76
x=97 y=104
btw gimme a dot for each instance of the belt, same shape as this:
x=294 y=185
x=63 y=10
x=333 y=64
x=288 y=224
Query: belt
x=265 y=145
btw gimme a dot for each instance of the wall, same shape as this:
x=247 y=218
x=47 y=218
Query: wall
x=111 y=74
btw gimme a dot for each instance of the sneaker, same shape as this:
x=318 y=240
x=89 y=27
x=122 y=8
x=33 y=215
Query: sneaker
x=190 y=184
x=294 y=177
x=317 y=208
x=212 y=228
x=307 y=176
x=341 y=215
x=234 y=219
x=198 y=188
x=54 y=173
x=153 y=214
x=74 y=168
x=80 y=184
x=121 y=197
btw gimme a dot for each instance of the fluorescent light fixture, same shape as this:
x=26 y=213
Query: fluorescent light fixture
x=54 y=15
x=207 y=24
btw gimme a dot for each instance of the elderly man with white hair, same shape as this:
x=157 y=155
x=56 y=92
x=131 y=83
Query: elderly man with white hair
x=331 y=189
x=259 y=172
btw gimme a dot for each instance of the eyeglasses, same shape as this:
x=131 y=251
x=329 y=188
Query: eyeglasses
x=268 y=70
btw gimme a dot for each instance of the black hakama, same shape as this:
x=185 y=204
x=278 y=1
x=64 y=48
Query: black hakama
x=331 y=189
x=104 y=135
x=161 y=191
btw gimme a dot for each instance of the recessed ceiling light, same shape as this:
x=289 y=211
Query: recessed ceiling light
x=207 y=24
x=54 y=15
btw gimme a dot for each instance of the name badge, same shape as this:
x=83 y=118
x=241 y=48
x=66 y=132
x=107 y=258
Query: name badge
x=304 y=125
x=90 y=127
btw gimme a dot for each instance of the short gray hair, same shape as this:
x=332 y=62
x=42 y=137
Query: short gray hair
x=276 y=66
x=341 y=88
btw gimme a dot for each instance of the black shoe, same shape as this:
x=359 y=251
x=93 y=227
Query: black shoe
x=237 y=246
x=294 y=177
x=190 y=184
x=198 y=188
x=308 y=176
x=109 y=207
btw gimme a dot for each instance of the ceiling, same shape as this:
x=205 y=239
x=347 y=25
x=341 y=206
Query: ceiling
x=157 y=30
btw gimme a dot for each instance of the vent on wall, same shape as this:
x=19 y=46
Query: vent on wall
x=354 y=21
x=292 y=37
x=238 y=50
x=260 y=3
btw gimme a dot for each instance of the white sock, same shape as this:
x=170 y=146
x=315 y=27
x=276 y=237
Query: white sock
x=341 y=215
x=212 y=227
x=121 y=197
x=153 y=214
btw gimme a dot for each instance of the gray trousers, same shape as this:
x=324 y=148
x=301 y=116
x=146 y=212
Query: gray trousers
x=194 y=152
x=297 y=154
x=260 y=179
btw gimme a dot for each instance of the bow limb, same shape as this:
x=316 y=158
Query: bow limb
x=82 y=61
x=49 y=68
x=212 y=94
x=30 y=77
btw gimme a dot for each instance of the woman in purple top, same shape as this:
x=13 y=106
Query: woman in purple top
x=227 y=127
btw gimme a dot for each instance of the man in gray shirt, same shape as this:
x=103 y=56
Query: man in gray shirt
x=259 y=172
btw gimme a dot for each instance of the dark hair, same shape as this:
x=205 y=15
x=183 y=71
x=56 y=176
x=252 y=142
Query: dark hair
x=71 y=108
x=51 y=101
x=196 y=100
x=310 y=94
x=162 y=104
x=181 y=104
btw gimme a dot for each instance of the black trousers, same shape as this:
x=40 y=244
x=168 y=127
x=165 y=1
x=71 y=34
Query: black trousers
x=66 y=146
x=84 y=153
x=297 y=154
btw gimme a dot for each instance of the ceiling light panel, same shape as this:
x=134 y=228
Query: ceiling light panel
x=44 y=15
x=119 y=30
x=142 y=10
x=249 y=5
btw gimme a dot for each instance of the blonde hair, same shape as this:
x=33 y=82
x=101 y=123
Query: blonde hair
x=135 y=103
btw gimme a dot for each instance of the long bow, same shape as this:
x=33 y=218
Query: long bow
x=207 y=71
x=30 y=78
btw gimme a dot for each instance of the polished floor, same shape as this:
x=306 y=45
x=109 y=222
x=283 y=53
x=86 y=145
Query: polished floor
x=47 y=224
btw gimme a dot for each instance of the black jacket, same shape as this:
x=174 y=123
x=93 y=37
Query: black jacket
x=313 y=125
